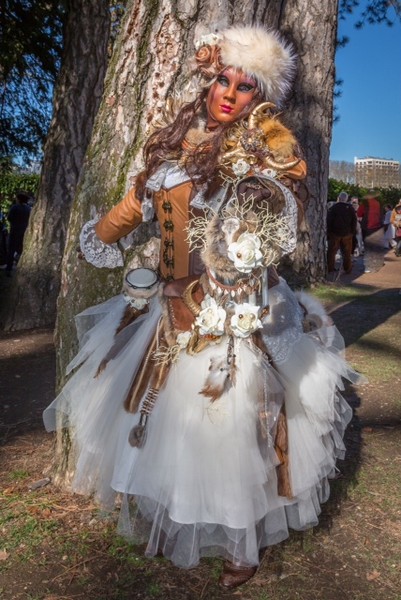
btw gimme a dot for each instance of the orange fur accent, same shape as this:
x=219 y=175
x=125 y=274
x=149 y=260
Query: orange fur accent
x=281 y=141
x=211 y=392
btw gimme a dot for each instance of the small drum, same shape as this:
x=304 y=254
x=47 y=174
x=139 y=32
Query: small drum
x=142 y=279
x=139 y=286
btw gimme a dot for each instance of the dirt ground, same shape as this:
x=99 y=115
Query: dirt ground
x=54 y=545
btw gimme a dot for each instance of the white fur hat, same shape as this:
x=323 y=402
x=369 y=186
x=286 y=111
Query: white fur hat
x=257 y=52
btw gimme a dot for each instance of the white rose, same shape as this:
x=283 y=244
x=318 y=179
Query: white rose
x=183 y=339
x=245 y=320
x=211 y=39
x=241 y=167
x=245 y=253
x=211 y=318
x=270 y=173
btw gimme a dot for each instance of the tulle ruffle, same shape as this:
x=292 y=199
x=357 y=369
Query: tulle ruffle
x=205 y=482
x=92 y=407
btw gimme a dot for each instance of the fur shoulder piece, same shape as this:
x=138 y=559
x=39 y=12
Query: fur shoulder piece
x=280 y=140
x=262 y=141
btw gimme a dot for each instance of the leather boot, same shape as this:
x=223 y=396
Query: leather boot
x=235 y=575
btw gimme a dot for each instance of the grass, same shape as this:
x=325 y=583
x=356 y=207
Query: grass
x=264 y=596
x=23 y=533
x=214 y=568
x=377 y=354
x=336 y=294
x=124 y=551
x=373 y=345
x=18 y=475
x=154 y=590
x=364 y=294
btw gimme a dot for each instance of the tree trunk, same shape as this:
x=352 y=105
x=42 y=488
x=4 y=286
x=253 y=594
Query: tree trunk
x=312 y=25
x=150 y=57
x=77 y=97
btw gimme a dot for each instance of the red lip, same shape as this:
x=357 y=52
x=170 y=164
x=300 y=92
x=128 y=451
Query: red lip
x=225 y=108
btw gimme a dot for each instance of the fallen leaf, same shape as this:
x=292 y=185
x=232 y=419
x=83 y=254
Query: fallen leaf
x=367 y=429
x=3 y=554
x=373 y=575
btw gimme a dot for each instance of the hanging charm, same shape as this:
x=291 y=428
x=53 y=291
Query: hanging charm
x=218 y=379
x=137 y=435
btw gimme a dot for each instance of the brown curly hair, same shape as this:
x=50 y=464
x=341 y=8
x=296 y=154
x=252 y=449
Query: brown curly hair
x=166 y=144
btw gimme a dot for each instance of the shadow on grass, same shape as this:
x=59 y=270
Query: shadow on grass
x=376 y=308
x=27 y=381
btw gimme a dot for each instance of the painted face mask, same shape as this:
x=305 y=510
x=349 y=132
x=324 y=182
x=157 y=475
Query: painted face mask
x=229 y=95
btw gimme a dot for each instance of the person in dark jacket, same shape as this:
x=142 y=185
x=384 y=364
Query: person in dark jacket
x=18 y=217
x=341 y=227
x=3 y=238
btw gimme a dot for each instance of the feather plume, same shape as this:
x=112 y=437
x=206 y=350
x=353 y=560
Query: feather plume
x=218 y=379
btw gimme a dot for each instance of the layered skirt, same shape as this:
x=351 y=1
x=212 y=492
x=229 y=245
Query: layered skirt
x=205 y=481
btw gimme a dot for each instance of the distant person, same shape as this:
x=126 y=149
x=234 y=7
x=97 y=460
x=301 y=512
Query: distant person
x=388 y=228
x=18 y=218
x=358 y=245
x=396 y=221
x=373 y=213
x=3 y=239
x=341 y=227
x=362 y=216
x=31 y=201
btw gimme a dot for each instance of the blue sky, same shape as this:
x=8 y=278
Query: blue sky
x=370 y=105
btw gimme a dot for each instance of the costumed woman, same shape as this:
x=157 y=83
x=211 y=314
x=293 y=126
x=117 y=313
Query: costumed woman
x=207 y=395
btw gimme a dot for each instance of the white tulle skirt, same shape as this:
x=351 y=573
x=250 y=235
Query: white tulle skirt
x=205 y=483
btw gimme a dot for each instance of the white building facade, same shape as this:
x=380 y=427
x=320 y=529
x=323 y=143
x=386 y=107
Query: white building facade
x=373 y=172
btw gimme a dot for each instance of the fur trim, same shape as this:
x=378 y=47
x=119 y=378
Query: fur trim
x=315 y=313
x=280 y=140
x=311 y=304
x=262 y=54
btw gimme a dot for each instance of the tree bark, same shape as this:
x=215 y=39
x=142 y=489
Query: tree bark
x=150 y=58
x=33 y=297
x=312 y=25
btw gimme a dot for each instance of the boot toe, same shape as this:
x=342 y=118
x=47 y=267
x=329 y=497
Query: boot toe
x=234 y=575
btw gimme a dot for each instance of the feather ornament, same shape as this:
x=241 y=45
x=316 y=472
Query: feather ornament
x=218 y=379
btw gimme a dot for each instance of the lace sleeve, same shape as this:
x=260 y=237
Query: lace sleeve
x=96 y=252
x=291 y=213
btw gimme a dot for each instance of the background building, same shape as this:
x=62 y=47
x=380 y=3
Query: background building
x=377 y=172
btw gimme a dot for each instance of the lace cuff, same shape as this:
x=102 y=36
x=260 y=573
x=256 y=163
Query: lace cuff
x=96 y=252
